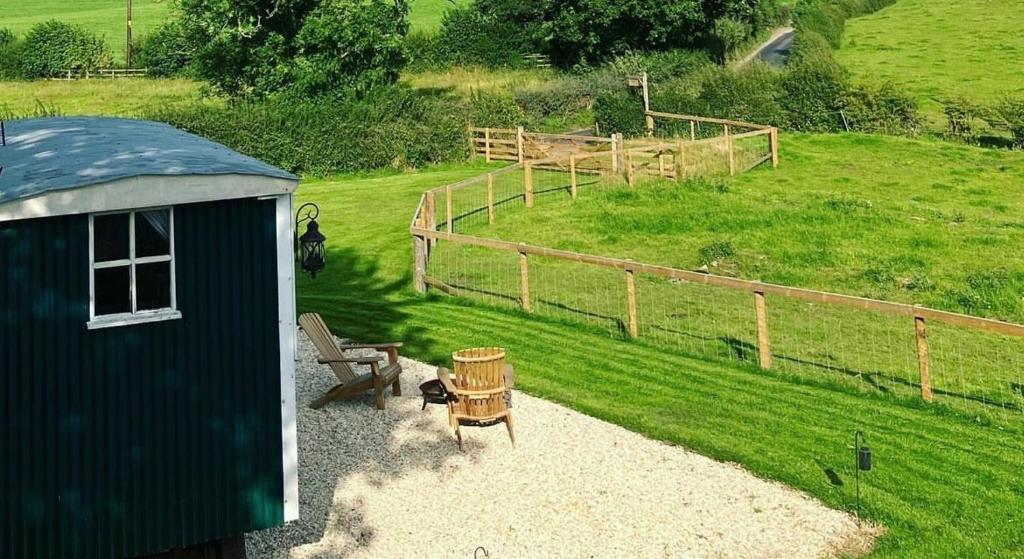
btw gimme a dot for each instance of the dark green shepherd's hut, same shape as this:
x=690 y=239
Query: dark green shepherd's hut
x=147 y=341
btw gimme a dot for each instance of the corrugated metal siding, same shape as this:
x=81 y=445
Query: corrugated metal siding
x=125 y=441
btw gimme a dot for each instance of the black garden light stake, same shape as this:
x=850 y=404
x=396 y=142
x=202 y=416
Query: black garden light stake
x=862 y=459
x=310 y=246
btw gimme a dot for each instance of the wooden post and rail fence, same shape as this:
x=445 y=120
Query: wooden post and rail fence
x=760 y=293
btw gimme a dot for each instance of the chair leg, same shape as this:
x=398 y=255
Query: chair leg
x=327 y=398
x=458 y=435
x=396 y=387
x=511 y=433
x=424 y=404
x=378 y=391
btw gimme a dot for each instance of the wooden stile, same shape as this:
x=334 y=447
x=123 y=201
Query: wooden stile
x=448 y=209
x=524 y=280
x=490 y=198
x=634 y=330
x=924 y=368
x=661 y=165
x=693 y=130
x=764 y=350
x=572 y=176
x=528 y=184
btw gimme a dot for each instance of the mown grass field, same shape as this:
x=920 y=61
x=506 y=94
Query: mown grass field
x=118 y=97
x=425 y=15
x=941 y=48
x=105 y=17
x=943 y=484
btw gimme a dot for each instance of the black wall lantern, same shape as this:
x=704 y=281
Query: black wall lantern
x=309 y=248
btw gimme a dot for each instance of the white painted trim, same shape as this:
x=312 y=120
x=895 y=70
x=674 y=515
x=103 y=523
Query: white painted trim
x=128 y=319
x=287 y=325
x=145 y=191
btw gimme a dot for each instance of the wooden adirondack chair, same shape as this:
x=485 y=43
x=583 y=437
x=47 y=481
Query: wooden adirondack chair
x=351 y=384
x=477 y=390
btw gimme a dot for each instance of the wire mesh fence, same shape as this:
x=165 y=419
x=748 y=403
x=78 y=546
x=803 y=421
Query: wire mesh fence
x=969 y=363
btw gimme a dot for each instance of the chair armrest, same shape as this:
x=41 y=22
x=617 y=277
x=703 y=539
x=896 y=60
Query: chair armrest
x=444 y=375
x=386 y=345
x=358 y=360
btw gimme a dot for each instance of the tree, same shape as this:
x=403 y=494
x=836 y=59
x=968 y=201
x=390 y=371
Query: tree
x=54 y=47
x=259 y=47
x=589 y=31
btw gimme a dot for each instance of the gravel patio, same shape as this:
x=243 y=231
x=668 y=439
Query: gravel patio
x=394 y=484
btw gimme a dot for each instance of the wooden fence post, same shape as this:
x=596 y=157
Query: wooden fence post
x=764 y=350
x=419 y=265
x=419 y=253
x=528 y=184
x=491 y=199
x=649 y=121
x=773 y=138
x=680 y=162
x=630 y=176
x=634 y=330
x=448 y=209
x=430 y=217
x=922 y=359
x=732 y=154
x=487 y=144
x=520 y=147
x=572 y=176
x=615 y=155
x=661 y=165
x=524 y=279
x=693 y=130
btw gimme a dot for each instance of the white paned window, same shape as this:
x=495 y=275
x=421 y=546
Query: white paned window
x=131 y=267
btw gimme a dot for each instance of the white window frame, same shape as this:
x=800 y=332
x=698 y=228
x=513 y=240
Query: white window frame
x=135 y=316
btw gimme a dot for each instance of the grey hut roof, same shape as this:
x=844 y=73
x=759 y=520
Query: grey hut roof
x=50 y=154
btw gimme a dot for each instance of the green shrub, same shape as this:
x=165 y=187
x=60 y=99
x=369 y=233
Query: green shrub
x=880 y=108
x=471 y=37
x=562 y=97
x=165 y=51
x=1009 y=113
x=730 y=33
x=812 y=89
x=311 y=46
x=711 y=253
x=753 y=93
x=660 y=66
x=54 y=47
x=960 y=115
x=388 y=128
x=619 y=112
x=8 y=55
x=495 y=109
x=424 y=51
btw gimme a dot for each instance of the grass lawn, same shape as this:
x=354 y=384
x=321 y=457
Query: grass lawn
x=941 y=48
x=106 y=17
x=943 y=485
x=120 y=97
x=425 y=15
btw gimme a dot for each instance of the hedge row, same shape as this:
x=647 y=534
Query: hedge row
x=389 y=128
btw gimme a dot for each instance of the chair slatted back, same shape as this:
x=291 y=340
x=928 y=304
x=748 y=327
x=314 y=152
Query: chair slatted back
x=314 y=327
x=479 y=379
